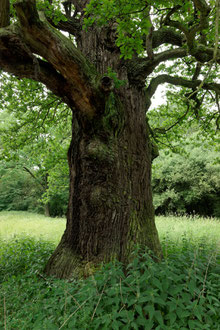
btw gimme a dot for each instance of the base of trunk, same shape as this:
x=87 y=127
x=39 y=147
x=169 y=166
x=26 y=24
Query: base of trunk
x=64 y=263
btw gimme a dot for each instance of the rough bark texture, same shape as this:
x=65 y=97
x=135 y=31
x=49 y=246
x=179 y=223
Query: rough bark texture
x=110 y=206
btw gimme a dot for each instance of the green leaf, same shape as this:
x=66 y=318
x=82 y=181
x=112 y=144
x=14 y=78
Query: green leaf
x=158 y=317
x=150 y=310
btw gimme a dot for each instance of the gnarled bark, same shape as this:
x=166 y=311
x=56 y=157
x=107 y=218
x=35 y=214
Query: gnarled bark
x=110 y=207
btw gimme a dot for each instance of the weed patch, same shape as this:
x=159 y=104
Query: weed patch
x=181 y=292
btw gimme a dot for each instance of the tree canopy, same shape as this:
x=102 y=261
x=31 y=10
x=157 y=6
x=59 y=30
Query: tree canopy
x=156 y=38
x=173 y=42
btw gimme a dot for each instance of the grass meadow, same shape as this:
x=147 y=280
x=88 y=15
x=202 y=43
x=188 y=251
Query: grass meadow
x=181 y=292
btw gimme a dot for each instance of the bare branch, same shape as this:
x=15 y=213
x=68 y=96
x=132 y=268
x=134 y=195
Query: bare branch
x=179 y=81
x=200 y=25
x=34 y=177
x=71 y=25
x=197 y=71
x=202 y=6
x=167 y=21
x=165 y=130
x=80 y=4
x=15 y=58
x=67 y=6
x=149 y=37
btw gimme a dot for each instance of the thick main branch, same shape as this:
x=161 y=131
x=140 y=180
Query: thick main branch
x=46 y=41
x=16 y=58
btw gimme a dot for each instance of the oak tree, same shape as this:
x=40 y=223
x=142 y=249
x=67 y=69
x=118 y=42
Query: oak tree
x=106 y=72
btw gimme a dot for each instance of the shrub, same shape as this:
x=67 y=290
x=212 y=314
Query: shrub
x=188 y=182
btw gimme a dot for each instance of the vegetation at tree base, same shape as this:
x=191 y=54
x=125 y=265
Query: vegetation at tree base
x=181 y=292
x=106 y=72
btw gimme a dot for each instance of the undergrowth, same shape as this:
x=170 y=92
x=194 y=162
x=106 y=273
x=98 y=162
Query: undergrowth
x=181 y=292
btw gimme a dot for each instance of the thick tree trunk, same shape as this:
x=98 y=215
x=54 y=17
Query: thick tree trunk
x=110 y=204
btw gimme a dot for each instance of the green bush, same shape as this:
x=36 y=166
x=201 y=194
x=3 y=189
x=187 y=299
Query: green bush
x=188 y=182
x=181 y=292
x=18 y=190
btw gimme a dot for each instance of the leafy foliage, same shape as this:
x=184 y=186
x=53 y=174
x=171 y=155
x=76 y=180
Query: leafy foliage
x=178 y=118
x=21 y=191
x=35 y=135
x=35 y=120
x=188 y=182
x=133 y=20
x=18 y=190
x=180 y=292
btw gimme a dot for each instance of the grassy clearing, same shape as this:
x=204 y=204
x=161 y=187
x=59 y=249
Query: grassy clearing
x=194 y=229
x=21 y=224
x=182 y=292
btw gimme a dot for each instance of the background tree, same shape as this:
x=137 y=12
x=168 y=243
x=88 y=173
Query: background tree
x=17 y=189
x=186 y=174
x=101 y=75
x=188 y=182
x=35 y=135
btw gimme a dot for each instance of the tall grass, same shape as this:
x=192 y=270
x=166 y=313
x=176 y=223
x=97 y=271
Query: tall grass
x=17 y=224
x=20 y=224
x=194 y=228
x=181 y=292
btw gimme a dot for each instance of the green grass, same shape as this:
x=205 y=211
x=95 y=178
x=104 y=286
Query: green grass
x=21 y=224
x=195 y=229
x=181 y=292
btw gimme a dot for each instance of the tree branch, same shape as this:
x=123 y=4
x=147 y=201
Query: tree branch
x=176 y=24
x=203 y=22
x=4 y=13
x=198 y=26
x=80 y=4
x=72 y=25
x=202 y=6
x=15 y=58
x=44 y=40
x=143 y=67
x=34 y=177
x=167 y=35
x=179 y=81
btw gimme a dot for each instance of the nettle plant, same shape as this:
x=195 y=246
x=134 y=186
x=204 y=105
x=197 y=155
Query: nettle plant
x=106 y=72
